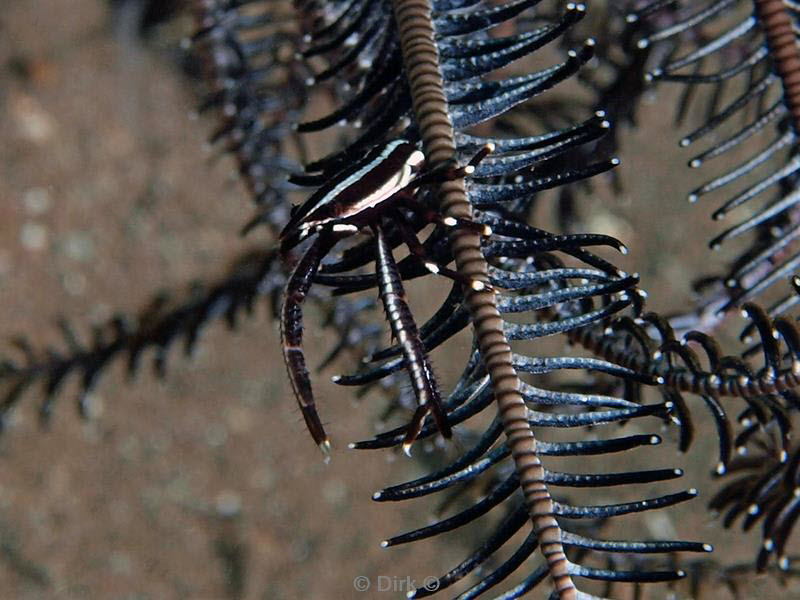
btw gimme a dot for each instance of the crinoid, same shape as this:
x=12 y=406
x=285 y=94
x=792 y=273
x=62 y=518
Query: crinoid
x=389 y=146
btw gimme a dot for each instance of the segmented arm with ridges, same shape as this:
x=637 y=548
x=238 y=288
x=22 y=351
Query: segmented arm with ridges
x=421 y=61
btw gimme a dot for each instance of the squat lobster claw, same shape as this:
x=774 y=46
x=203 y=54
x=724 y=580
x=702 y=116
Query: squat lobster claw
x=357 y=199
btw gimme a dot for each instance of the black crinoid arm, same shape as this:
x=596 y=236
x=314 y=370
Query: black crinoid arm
x=758 y=459
x=257 y=89
x=528 y=283
x=745 y=53
x=168 y=318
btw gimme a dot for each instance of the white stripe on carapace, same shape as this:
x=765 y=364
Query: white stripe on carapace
x=344 y=228
x=393 y=184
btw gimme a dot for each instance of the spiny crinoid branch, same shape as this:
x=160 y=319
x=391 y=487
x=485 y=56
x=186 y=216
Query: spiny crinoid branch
x=420 y=58
x=782 y=42
x=728 y=375
x=749 y=46
x=648 y=346
x=158 y=326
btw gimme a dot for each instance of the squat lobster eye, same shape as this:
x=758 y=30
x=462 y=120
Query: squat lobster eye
x=360 y=197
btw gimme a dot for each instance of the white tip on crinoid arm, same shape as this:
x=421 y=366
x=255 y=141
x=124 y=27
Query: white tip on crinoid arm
x=325 y=446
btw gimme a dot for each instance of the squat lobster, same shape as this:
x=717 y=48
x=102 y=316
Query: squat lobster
x=361 y=198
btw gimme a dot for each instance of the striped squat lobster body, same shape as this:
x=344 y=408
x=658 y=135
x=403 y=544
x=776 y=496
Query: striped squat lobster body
x=363 y=198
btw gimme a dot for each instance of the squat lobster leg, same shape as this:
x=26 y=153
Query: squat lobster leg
x=351 y=201
x=405 y=331
x=292 y=336
x=418 y=250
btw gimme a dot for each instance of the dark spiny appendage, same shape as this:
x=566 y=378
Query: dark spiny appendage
x=163 y=321
x=749 y=45
x=404 y=329
x=292 y=337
